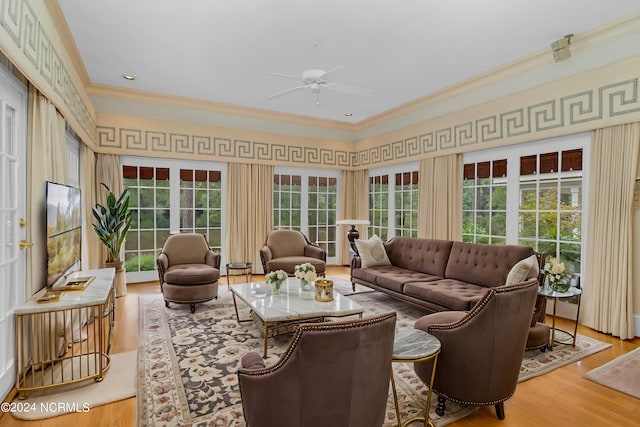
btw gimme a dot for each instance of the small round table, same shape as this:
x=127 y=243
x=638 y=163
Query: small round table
x=239 y=269
x=413 y=345
x=549 y=293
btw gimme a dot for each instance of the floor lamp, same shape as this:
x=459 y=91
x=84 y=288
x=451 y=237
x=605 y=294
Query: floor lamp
x=353 y=233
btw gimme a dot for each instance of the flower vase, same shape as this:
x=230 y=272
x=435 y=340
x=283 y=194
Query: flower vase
x=305 y=286
x=560 y=285
x=276 y=287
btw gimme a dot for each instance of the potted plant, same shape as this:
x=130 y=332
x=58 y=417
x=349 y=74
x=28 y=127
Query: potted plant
x=113 y=222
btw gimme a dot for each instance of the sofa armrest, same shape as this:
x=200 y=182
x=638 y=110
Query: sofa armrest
x=212 y=259
x=252 y=361
x=163 y=264
x=314 y=251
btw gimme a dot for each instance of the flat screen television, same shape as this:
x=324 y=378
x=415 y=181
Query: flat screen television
x=64 y=231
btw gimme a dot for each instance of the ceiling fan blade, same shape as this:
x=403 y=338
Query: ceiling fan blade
x=351 y=90
x=293 y=89
x=332 y=70
x=286 y=76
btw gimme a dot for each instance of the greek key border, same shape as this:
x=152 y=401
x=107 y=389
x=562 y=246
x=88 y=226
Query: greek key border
x=571 y=110
x=21 y=23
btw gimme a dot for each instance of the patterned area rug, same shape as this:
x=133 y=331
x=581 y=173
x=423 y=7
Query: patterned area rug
x=187 y=362
x=622 y=373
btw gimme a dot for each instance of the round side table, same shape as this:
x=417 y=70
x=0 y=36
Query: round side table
x=549 y=293
x=239 y=269
x=413 y=345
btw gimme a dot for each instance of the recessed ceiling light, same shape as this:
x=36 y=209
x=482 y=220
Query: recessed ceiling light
x=128 y=77
x=348 y=114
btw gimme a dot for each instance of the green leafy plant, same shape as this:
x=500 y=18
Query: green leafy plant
x=113 y=224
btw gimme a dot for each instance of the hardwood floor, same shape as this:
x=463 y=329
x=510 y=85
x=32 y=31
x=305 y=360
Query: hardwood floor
x=560 y=398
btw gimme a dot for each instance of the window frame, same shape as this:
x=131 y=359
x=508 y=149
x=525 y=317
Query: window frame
x=174 y=166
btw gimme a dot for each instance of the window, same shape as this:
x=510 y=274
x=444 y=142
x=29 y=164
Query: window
x=398 y=200
x=201 y=204
x=484 y=202
x=168 y=197
x=529 y=194
x=150 y=224
x=297 y=190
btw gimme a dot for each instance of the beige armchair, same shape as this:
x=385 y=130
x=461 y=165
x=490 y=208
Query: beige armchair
x=188 y=270
x=284 y=249
x=333 y=374
x=482 y=349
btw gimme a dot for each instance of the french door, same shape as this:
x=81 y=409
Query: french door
x=13 y=119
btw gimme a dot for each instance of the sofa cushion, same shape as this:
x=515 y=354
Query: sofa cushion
x=288 y=263
x=191 y=274
x=484 y=265
x=424 y=255
x=390 y=276
x=523 y=270
x=372 y=252
x=449 y=293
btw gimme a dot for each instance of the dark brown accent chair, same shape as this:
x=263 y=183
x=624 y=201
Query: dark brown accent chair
x=284 y=249
x=333 y=374
x=482 y=349
x=188 y=270
x=539 y=331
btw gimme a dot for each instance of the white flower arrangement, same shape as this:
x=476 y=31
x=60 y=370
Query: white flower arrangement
x=557 y=274
x=276 y=276
x=306 y=272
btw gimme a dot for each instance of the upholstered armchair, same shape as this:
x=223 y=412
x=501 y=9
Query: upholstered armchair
x=332 y=374
x=482 y=349
x=188 y=270
x=284 y=249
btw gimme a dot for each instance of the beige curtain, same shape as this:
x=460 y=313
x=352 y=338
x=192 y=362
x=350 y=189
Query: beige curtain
x=354 y=204
x=249 y=212
x=91 y=255
x=440 y=198
x=608 y=297
x=46 y=161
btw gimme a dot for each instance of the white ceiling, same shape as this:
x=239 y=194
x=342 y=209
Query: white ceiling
x=222 y=51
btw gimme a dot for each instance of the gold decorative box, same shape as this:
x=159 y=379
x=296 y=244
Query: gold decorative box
x=324 y=290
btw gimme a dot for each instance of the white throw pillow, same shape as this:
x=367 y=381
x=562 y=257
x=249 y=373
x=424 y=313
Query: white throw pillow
x=372 y=253
x=523 y=270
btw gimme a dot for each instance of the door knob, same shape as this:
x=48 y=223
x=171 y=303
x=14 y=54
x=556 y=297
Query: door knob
x=25 y=244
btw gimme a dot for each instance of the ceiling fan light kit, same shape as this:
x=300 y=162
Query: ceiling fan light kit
x=315 y=80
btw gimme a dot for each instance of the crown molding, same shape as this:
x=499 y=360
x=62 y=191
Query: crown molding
x=134 y=95
x=582 y=42
x=60 y=23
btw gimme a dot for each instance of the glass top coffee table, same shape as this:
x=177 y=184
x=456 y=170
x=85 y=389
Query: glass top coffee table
x=279 y=314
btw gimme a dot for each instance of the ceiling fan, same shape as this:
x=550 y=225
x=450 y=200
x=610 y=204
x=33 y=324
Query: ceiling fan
x=315 y=80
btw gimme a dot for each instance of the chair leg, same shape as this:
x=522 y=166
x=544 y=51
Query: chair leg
x=166 y=303
x=440 y=408
x=500 y=410
x=193 y=308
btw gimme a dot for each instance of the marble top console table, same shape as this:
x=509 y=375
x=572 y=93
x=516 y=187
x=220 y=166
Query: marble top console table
x=67 y=339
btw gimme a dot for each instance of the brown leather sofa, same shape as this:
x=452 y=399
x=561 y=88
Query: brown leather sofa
x=439 y=275
x=333 y=374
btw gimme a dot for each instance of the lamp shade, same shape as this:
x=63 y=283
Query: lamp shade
x=352 y=222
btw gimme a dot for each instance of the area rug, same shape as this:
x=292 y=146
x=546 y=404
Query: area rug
x=622 y=373
x=188 y=362
x=119 y=383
